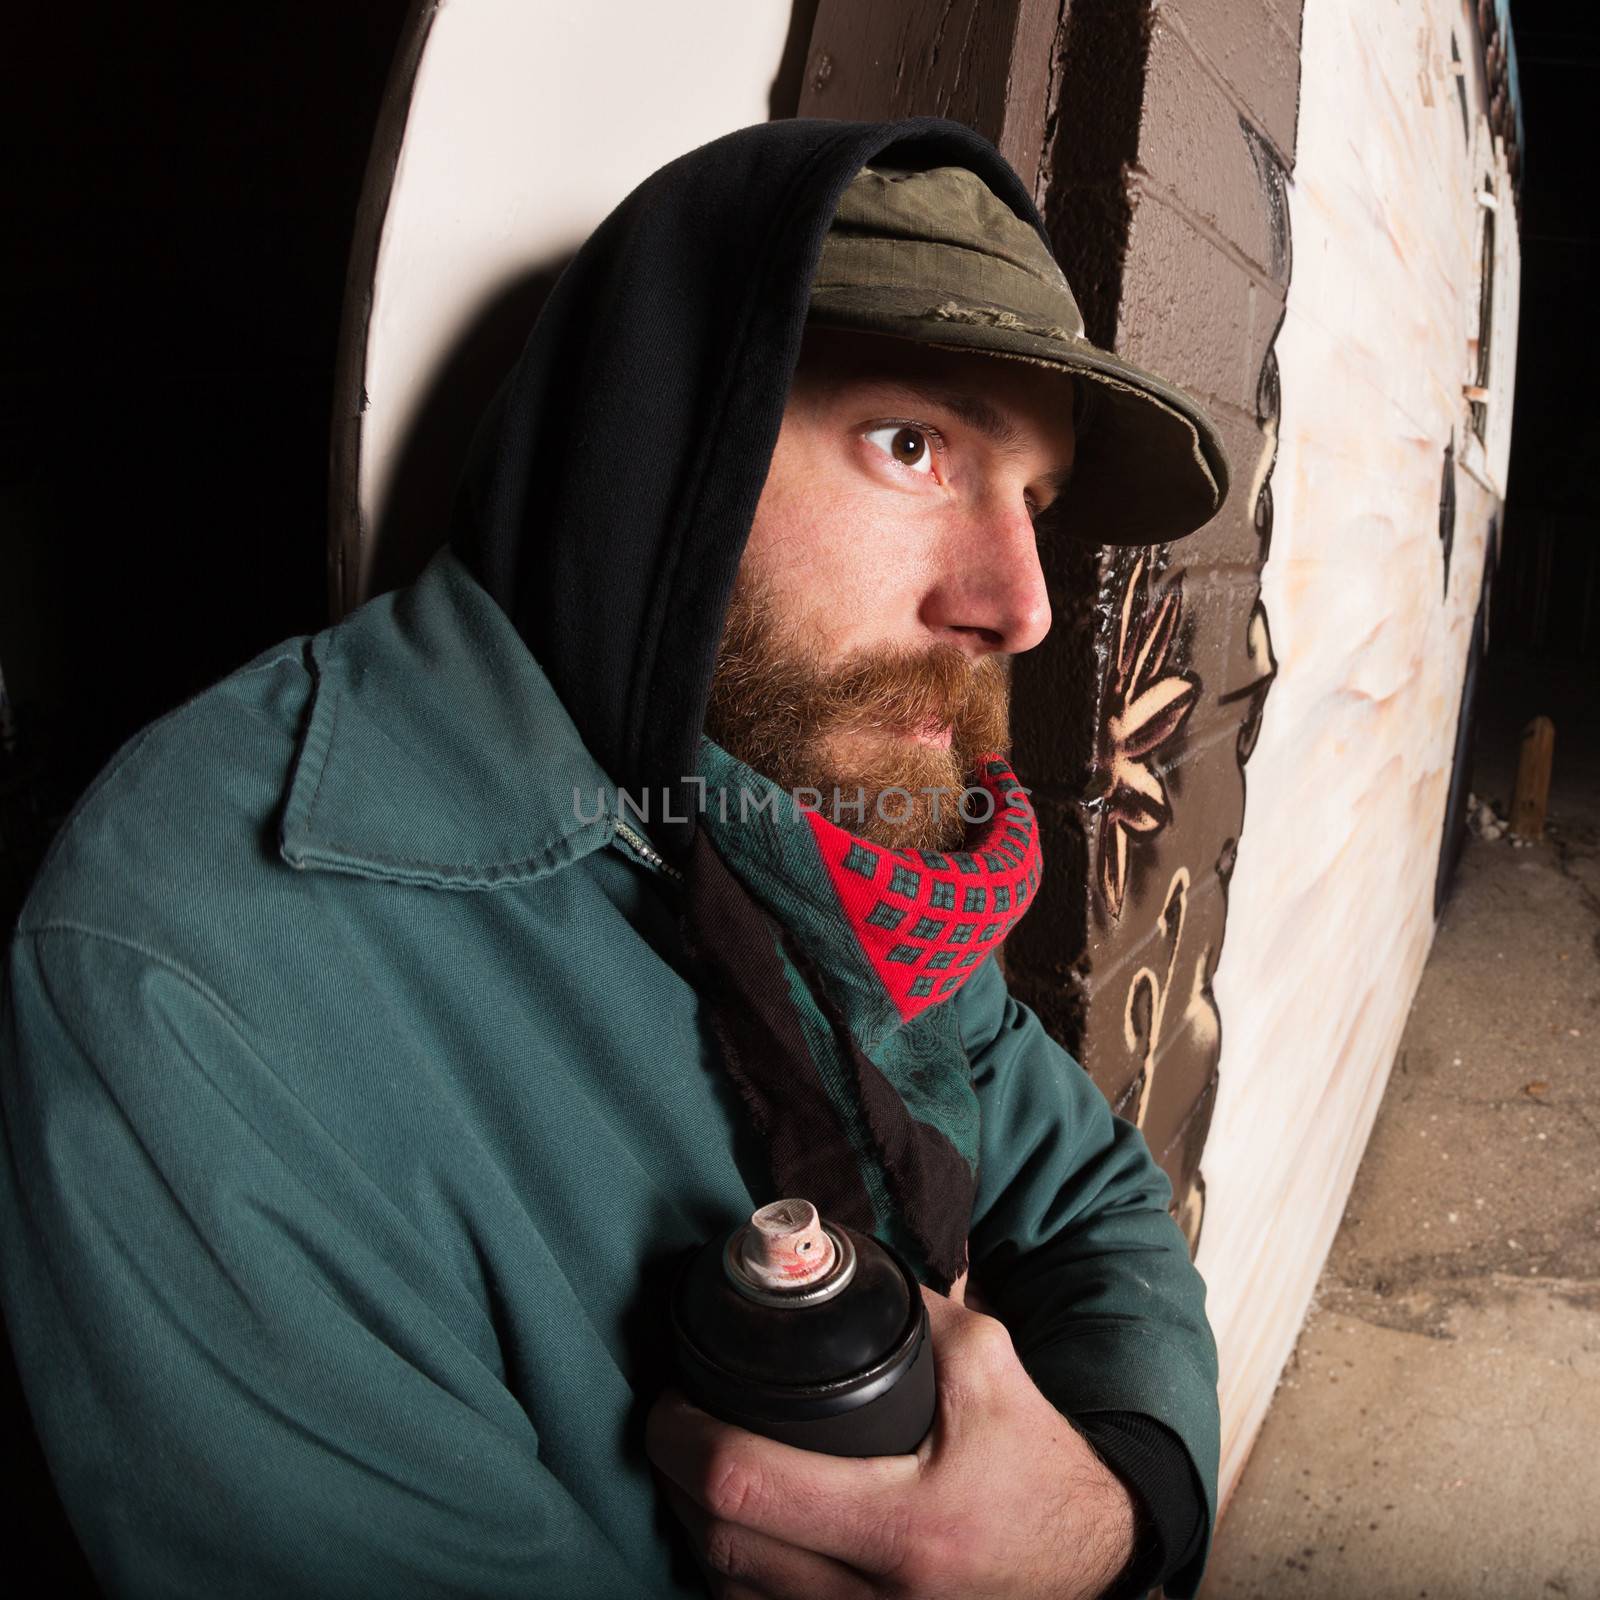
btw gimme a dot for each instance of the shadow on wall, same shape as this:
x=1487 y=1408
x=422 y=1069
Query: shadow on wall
x=784 y=96
x=415 y=517
x=415 y=520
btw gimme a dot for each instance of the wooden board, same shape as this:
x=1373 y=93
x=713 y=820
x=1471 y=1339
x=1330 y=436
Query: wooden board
x=1532 y=794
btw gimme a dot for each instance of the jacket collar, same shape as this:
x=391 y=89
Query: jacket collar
x=435 y=750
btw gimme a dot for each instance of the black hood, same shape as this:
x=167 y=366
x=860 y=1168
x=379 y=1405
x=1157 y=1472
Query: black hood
x=612 y=483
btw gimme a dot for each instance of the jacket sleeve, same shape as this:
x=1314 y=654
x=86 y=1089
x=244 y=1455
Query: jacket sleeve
x=1073 y=1245
x=249 y=1374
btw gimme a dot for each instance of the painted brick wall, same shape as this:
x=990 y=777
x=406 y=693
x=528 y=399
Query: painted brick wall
x=1164 y=185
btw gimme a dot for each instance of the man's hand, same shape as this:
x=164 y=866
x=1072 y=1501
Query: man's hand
x=1003 y=1499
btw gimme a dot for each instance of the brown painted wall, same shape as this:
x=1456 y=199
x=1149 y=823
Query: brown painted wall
x=1164 y=187
x=988 y=63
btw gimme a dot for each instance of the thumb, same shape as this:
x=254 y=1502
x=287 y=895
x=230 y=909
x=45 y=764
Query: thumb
x=945 y=1314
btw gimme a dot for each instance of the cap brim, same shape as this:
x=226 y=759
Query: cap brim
x=1150 y=466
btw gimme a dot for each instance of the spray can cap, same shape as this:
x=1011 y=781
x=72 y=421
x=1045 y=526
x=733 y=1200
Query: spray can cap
x=787 y=1255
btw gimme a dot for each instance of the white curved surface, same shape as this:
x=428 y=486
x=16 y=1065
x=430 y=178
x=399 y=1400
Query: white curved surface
x=529 y=121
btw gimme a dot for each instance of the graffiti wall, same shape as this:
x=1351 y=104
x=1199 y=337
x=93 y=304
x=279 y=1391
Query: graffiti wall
x=1315 y=230
x=1396 y=356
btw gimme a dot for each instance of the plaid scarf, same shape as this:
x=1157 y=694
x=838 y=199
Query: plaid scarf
x=826 y=963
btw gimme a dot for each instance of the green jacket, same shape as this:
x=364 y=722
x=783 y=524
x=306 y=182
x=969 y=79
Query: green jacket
x=356 y=1109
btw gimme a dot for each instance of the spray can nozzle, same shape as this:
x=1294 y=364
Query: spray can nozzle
x=786 y=1255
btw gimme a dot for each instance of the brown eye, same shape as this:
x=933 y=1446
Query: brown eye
x=911 y=447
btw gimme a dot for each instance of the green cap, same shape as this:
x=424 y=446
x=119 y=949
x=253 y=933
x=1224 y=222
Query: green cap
x=938 y=257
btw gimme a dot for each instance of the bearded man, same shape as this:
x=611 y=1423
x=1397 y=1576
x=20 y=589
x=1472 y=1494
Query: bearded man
x=389 y=1020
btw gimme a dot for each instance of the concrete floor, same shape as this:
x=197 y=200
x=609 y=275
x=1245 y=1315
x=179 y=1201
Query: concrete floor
x=1437 y=1432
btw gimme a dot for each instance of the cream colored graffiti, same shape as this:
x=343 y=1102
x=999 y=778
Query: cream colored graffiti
x=1148 y=704
x=1198 y=1016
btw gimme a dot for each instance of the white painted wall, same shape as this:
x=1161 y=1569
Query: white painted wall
x=1331 y=906
x=529 y=121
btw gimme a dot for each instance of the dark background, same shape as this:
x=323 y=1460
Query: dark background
x=1547 y=593
x=183 y=184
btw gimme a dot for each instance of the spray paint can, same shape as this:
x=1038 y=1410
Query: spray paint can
x=807 y=1332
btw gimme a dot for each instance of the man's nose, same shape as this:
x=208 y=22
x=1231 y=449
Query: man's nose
x=990 y=589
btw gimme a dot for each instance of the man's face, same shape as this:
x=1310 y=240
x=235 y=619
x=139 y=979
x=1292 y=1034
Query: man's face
x=891 y=572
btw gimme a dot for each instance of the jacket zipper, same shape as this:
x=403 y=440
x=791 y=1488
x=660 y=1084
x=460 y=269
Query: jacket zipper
x=647 y=852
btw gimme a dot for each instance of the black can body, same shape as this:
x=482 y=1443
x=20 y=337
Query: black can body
x=847 y=1375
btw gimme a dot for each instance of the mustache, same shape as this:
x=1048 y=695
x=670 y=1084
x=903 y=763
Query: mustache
x=888 y=689
x=881 y=692
x=913 y=689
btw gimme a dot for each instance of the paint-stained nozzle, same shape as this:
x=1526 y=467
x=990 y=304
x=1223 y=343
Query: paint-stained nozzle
x=786 y=1246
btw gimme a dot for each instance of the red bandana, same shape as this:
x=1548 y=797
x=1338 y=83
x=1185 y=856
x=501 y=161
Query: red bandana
x=926 y=921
